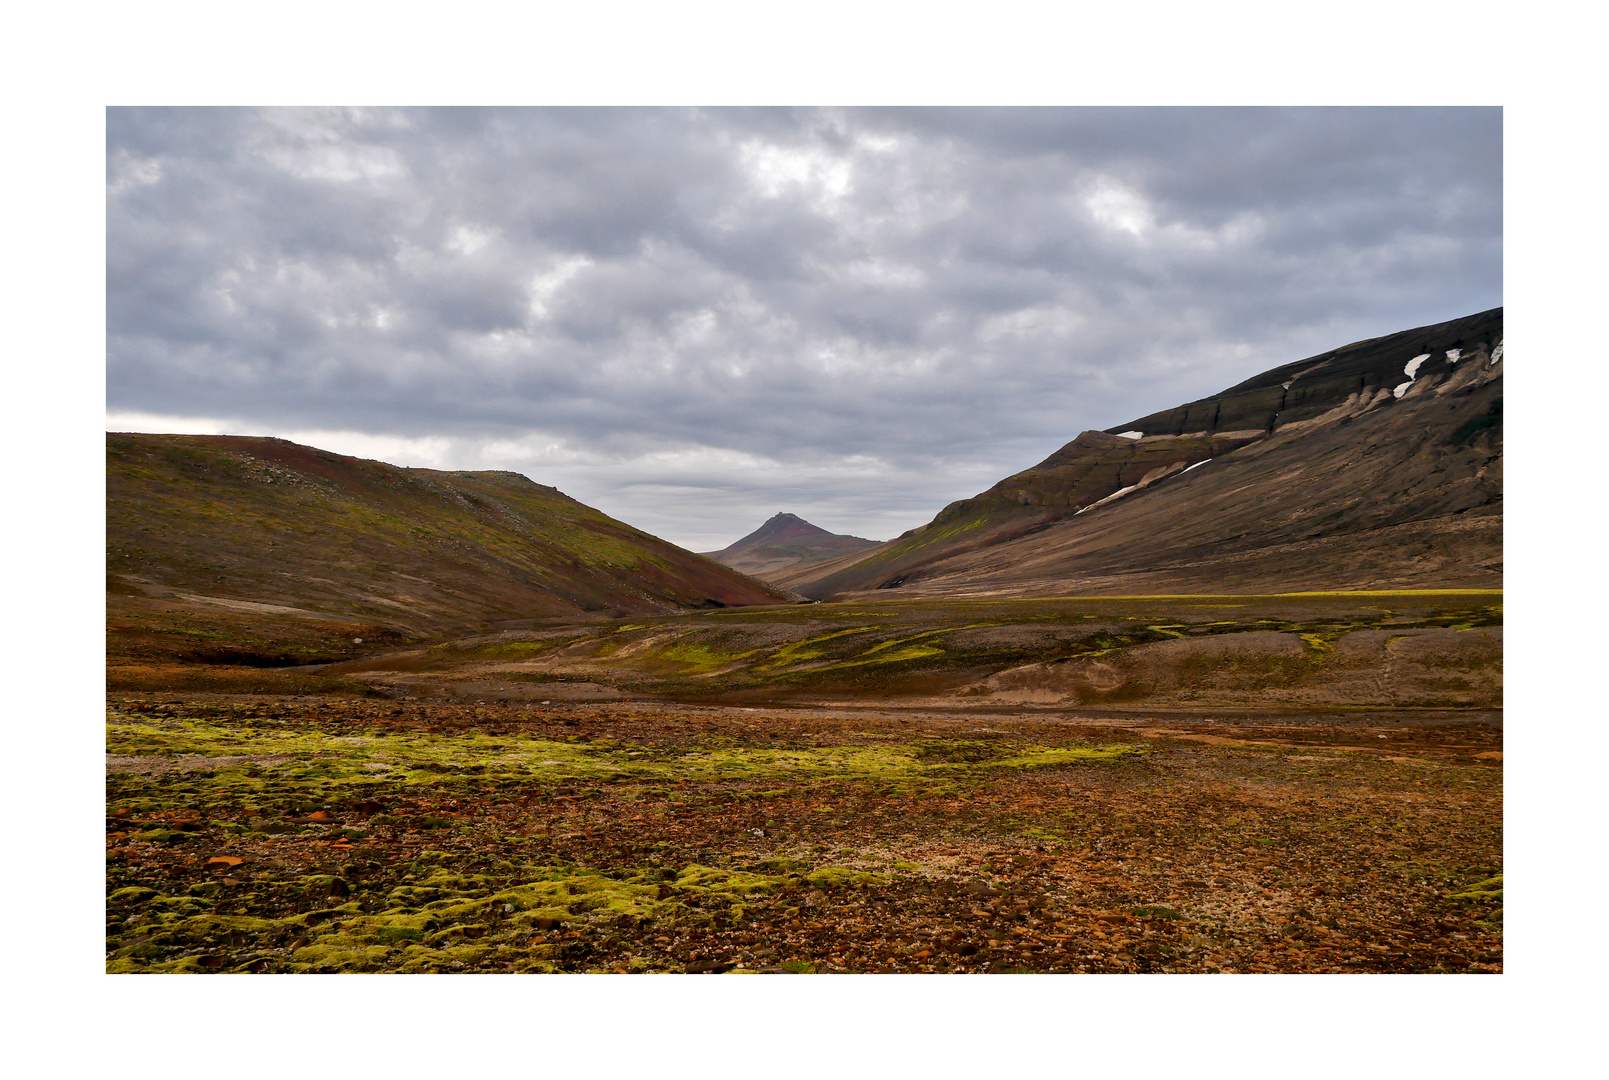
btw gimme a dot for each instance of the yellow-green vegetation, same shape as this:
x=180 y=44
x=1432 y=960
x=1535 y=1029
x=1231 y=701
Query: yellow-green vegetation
x=230 y=774
x=933 y=646
x=334 y=762
x=1486 y=895
x=445 y=920
x=348 y=835
x=1319 y=646
x=797 y=652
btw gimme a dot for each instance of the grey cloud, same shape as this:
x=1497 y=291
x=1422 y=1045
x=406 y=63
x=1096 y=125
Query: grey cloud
x=950 y=293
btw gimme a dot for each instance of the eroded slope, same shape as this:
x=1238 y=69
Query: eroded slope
x=1378 y=465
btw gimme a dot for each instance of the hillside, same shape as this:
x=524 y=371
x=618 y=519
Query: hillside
x=258 y=551
x=1375 y=465
x=786 y=543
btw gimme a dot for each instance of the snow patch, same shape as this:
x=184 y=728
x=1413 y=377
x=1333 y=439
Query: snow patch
x=1453 y=355
x=1197 y=465
x=1118 y=494
x=1497 y=354
x=1410 y=370
x=1131 y=434
x=1286 y=385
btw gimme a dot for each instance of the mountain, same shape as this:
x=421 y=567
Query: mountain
x=1375 y=465
x=260 y=551
x=785 y=546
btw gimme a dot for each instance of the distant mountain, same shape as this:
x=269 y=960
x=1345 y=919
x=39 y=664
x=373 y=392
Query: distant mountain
x=786 y=543
x=260 y=551
x=1375 y=465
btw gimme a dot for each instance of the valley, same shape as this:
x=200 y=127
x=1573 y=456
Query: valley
x=1434 y=649
x=1145 y=784
x=1217 y=690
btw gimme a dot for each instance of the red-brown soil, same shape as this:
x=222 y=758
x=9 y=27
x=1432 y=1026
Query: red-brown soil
x=285 y=834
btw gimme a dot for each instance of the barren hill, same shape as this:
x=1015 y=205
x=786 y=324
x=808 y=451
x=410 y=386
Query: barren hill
x=786 y=544
x=1375 y=465
x=260 y=551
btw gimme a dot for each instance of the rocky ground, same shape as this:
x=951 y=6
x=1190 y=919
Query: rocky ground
x=281 y=834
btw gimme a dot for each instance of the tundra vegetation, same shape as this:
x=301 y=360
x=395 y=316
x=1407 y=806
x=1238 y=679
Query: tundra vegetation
x=896 y=786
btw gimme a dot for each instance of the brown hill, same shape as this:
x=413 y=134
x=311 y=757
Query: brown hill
x=786 y=545
x=1378 y=464
x=262 y=552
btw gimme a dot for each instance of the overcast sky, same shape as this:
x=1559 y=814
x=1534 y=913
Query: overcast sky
x=694 y=319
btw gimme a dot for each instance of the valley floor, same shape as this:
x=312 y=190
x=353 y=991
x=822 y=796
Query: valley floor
x=283 y=834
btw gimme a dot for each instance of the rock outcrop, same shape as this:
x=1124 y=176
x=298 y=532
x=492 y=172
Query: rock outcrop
x=1378 y=464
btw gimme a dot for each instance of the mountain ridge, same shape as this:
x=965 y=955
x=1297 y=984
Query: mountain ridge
x=1444 y=378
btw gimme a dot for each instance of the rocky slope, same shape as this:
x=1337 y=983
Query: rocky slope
x=786 y=543
x=260 y=551
x=1376 y=465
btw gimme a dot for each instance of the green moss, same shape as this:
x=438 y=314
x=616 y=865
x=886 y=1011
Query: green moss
x=1053 y=757
x=701 y=657
x=1156 y=911
x=917 y=637
x=439 y=912
x=729 y=883
x=796 y=652
x=331 y=766
x=1319 y=646
x=1488 y=891
x=837 y=877
x=912 y=652
x=125 y=965
x=340 y=955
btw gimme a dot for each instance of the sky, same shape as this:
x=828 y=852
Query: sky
x=693 y=319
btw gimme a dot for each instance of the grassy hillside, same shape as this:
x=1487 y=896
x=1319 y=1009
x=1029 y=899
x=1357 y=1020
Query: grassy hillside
x=263 y=553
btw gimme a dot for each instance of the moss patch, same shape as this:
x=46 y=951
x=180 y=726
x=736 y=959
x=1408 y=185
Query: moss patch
x=396 y=836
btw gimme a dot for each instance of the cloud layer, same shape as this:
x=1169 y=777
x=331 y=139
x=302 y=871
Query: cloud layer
x=695 y=318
